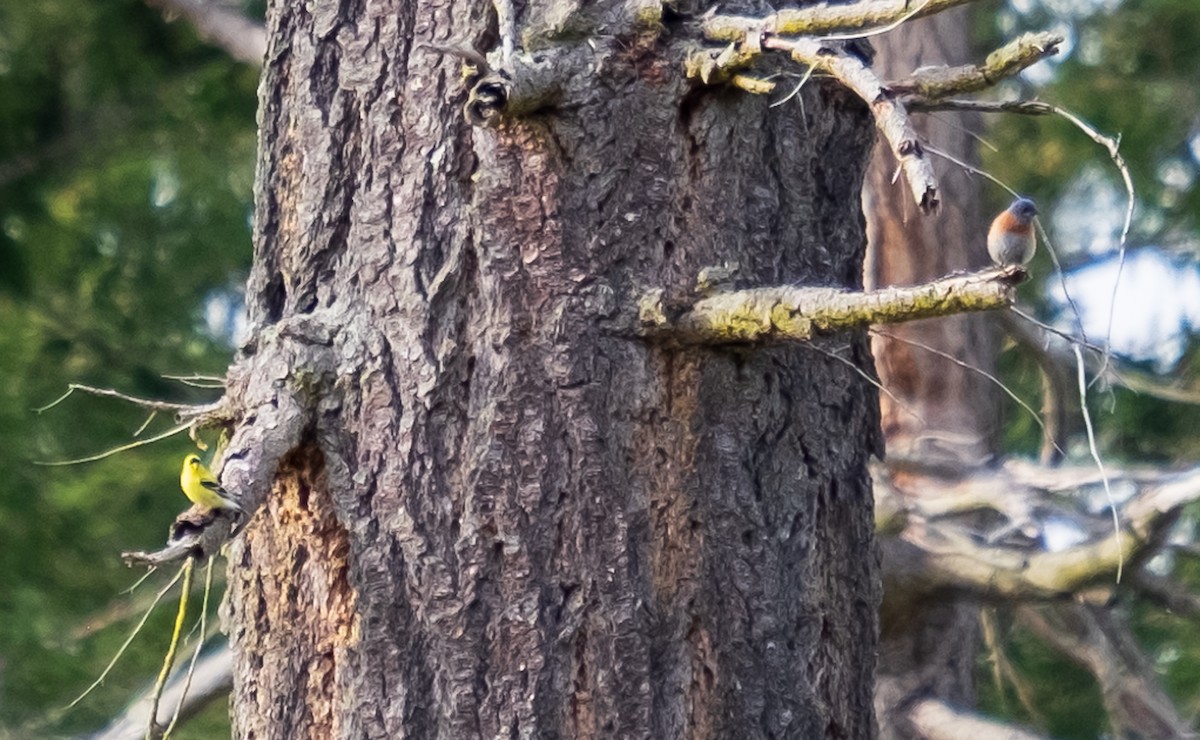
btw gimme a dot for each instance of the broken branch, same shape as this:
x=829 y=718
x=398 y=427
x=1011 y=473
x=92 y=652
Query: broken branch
x=891 y=117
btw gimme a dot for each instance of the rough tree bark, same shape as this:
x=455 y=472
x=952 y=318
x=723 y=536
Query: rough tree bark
x=506 y=514
x=938 y=411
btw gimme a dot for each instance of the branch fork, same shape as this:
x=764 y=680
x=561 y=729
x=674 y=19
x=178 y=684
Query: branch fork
x=809 y=37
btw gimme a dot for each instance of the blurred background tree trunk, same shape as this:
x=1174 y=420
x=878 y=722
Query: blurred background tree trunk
x=938 y=411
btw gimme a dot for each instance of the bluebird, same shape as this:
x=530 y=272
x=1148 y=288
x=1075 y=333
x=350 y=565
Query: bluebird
x=1011 y=240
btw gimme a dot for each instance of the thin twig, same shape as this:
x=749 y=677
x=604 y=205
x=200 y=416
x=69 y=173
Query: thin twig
x=110 y=393
x=971 y=169
x=109 y=453
x=199 y=381
x=968 y=366
x=879 y=386
x=169 y=660
x=1091 y=437
x=1056 y=331
x=963 y=129
x=187 y=682
x=795 y=91
x=140 y=581
x=1062 y=276
x=128 y=641
x=145 y=424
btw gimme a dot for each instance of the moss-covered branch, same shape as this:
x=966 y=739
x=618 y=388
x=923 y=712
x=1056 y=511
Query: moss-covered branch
x=933 y=83
x=819 y=20
x=800 y=313
x=1020 y=107
x=932 y=555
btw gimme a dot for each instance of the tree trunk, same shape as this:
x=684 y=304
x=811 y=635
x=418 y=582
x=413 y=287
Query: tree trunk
x=509 y=515
x=936 y=410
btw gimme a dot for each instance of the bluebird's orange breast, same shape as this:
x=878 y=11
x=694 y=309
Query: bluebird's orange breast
x=1010 y=224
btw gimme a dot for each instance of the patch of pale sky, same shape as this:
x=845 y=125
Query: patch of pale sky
x=1088 y=216
x=1067 y=12
x=164 y=188
x=1177 y=176
x=1157 y=304
x=1073 y=8
x=225 y=316
x=1043 y=73
x=1090 y=47
x=1060 y=533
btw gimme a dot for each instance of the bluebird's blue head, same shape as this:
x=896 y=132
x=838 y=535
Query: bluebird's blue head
x=1024 y=209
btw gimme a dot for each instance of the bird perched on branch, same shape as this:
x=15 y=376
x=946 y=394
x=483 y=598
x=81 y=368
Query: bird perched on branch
x=202 y=487
x=1011 y=240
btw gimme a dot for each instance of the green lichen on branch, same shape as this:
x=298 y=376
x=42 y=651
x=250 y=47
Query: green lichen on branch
x=933 y=83
x=800 y=313
x=824 y=19
x=712 y=66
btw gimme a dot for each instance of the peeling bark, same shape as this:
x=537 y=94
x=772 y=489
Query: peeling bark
x=501 y=514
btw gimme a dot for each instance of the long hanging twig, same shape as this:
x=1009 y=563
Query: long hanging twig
x=1091 y=437
x=109 y=453
x=169 y=660
x=1113 y=146
x=968 y=366
x=128 y=641
x=187 y=683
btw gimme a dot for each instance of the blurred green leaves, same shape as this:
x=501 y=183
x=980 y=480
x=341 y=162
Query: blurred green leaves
x=1131 y=71
x=126 y=174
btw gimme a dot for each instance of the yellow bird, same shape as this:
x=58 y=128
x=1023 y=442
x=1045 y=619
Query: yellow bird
x=202 y=487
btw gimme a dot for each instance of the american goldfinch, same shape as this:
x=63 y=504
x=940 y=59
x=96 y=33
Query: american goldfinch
x=202 y=487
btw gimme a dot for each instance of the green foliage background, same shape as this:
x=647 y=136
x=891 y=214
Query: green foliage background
x=1131 y=70
x=126 y=174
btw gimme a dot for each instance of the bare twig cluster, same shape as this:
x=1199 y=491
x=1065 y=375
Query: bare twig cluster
x=815 y=36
